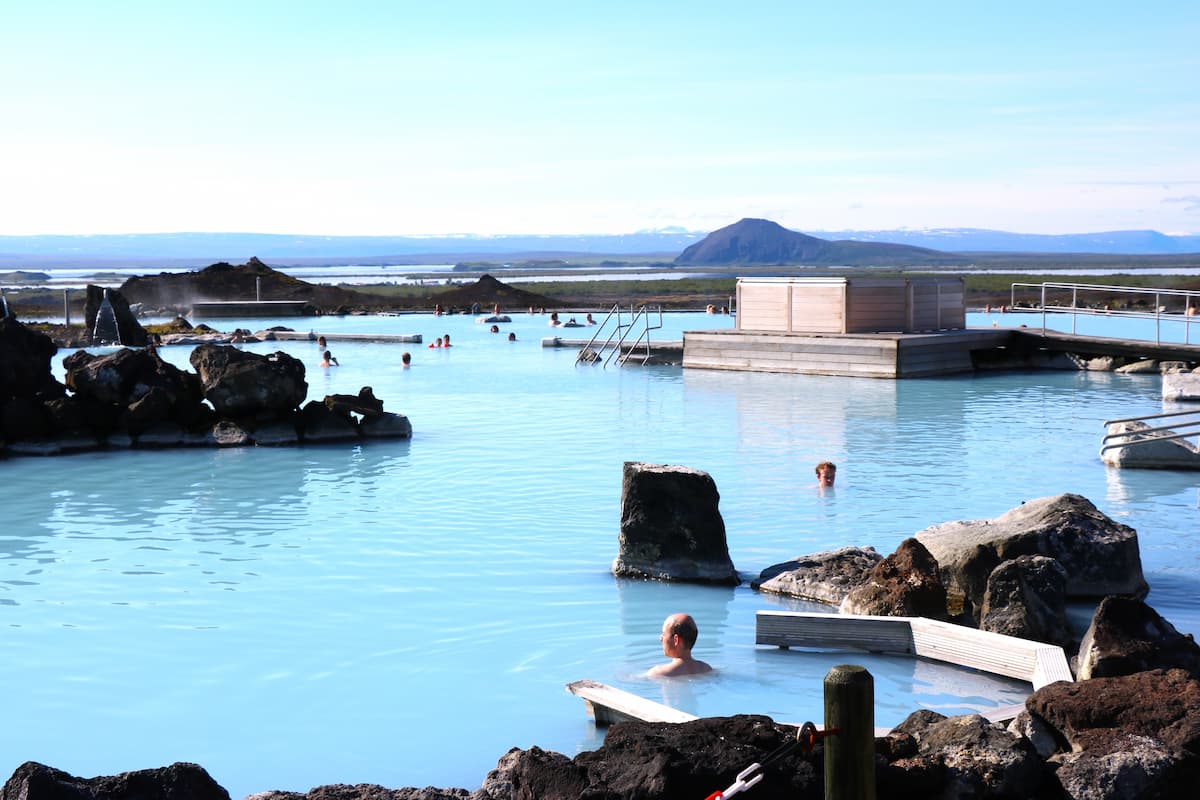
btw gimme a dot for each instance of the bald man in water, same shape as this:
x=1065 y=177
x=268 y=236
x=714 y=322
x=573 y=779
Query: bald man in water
x=678 y=636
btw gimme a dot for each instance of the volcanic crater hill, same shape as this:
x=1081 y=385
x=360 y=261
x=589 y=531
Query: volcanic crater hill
x=487 y=292
x=227 y=282
x=761 y=241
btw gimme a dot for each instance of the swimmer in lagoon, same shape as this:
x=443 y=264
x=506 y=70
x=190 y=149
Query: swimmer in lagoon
x=678 y=637
x=826 y=474
x=406 y=359
x=327 y=360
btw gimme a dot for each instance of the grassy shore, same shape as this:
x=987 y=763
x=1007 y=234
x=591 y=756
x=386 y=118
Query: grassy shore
x=675 y=294
x=695 y=293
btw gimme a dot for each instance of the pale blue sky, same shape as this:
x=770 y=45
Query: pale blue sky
x=553 y=117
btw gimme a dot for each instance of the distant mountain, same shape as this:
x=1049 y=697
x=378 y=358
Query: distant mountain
x=206 y=248
x=980 y=240
x=202 y=249
x=761 y=241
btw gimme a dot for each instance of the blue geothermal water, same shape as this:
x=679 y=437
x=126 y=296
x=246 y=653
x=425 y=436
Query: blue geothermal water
x=403 y=613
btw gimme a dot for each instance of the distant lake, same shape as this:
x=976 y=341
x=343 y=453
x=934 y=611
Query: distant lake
x=365 y=274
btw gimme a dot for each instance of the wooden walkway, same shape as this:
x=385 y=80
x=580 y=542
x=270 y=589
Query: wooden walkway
x=1093 y=346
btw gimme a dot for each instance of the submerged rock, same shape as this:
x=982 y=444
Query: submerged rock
x=826 y=577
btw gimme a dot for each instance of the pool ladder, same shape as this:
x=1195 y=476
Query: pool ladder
x=614 y=339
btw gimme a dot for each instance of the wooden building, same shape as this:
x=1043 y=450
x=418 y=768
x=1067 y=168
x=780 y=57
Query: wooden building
x=865 y=327
x=851 y=305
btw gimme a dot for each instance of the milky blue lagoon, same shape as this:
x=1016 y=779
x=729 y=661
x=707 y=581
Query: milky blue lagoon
x=404 y=612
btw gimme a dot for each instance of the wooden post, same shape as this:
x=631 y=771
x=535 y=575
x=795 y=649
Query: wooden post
x=850 y=753
x=66 y=307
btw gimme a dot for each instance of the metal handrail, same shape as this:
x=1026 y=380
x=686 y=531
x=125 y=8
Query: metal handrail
x=616 y=309
x=644 y=337
x=1142 y=438
x=616 y=340
x=1074 y=309
x=1164 y=415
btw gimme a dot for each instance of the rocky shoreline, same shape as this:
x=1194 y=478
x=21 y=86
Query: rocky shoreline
x=132 y=398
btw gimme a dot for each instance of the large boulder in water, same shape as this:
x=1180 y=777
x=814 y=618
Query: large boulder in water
x=1100 y=555
x=1140 y=450
x=1128 y=636
x=26 y=382
x=180 y=781
x=1178 y=386
x=1027 y=598
x=134 y=388
x=238 y=383
x=25 y=362
x=671 y=526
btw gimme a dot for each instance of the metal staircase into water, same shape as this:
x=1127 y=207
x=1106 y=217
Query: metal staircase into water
x=623 y=335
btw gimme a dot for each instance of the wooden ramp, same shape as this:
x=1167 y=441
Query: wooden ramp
x=1039 y=664
x=1092 y=346
x=608 y=704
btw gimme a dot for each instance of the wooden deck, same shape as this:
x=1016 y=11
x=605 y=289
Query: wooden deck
x=901 y=355
x=865 y=355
